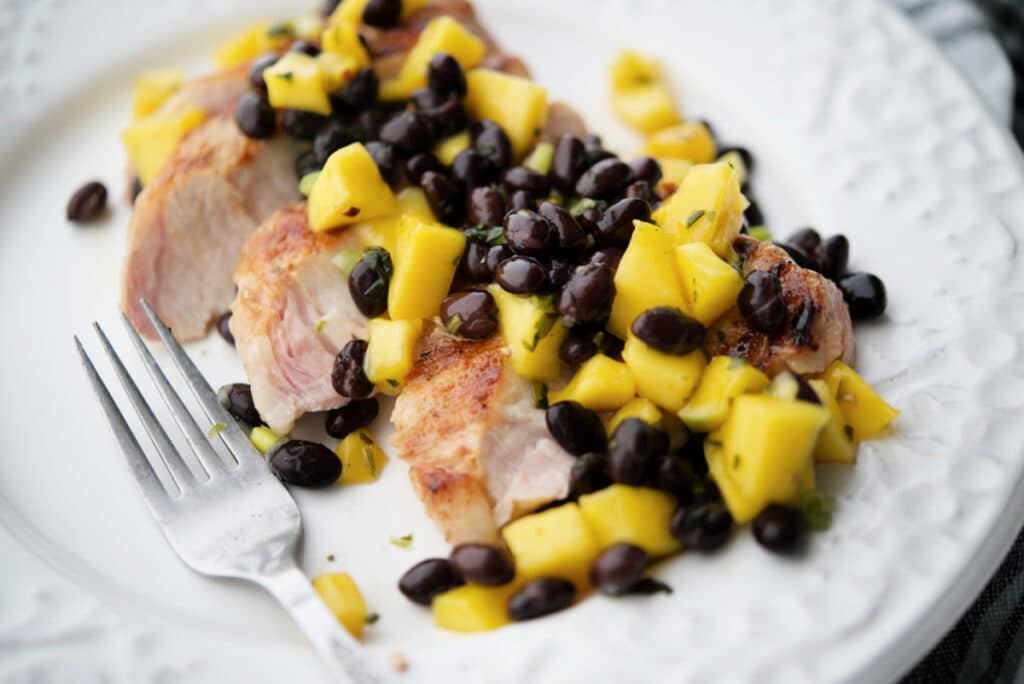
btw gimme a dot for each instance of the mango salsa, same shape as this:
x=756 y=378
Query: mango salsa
x=863 y=410
x=442 y=34
x=646 y=277
x=707 y=207
x=518 y=105
x=348 y=189
x=710 y=286
x=639 y=94
x=641 y=408
x=152 y=88
x=391 y=352
x=724 y=379
x=472 y=608
x=530 y=328
x=600 y=384
x=836 y=443
x=666 y=379
x=361 y=459
x=296 y=81
x=426 y=256
x=151 y=141
x=383 y=231
x=343 y=39
x=554 y=543
x=635 y=515
x=689 y=141
x=342 y=597
x=255 y=40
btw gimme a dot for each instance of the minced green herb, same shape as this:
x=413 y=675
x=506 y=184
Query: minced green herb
x=848 y=431
x=816 y=510
x=284 y=29
x=372 y=618
x=367 y=439
x=216 y=430
x=540 y=394
x=489 y=235
x=371 y=462
x=286 y=76
x=346 y=260
x=694 y=217
x=307 y=181
x=321 y=324
x=454 y=323
x=544 y=325
x=403 y=542
x=760 y=233
x=393 y=382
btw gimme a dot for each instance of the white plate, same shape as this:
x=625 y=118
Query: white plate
x=858 y=126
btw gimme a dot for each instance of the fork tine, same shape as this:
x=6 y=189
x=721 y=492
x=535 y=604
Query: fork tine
x=183 y=477
x=200 y=442
x=232 y=435
x=153 y=490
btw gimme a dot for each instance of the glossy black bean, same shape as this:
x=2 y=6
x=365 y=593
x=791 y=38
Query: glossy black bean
x=224 y=328
x=836 y=251
x=482 y=564
x=605 y=179
x=305 y=47
x=331 y=138
x=589 y=218
x=634 y=450
x=428 y=578
x=743 y=152
x=607 y=256
x=568 y=234
x=761 y=302
x=304 y=464
x=595 y=149
x=611 y=346
x=705 y=527
x=426 y=98
x=359 y=93
x=254 y=116
x=445 y=75
x=641 y=190
x=369 y=280
x=473 y=171
x=575 y=349
x=473 y=264
x=347 y=375
x=706 y=491
x=300 y=124
x=559 y=273
x=521 y=199
x=492 y=143
x=485 y=207
x=445 y=196
x=521 y=275
x=577 y=429
x=668 y=330
x=356 y=414
x=523 y=178
x=472 y=315
x=864 y=294
x=806 y=239
x=419 y=164
x=779 y=528
x=616 y=224
x=447 y=118
x=802 y=258
x=497 y=254
x=305 y=163
x=646 y=169
x=674 y=476
x=804 y=391
x=568 y=163
x=382 y=13
x=588 y=294
x=753 y=214
x=693 y=453
x=541 y=597
x=618 y=569
x=527 y=232
x=386 y=159
x=368 y=124
x=256 y=70
x=588 y=474
x=237 y=400
x=408 y=131
x=87 y=203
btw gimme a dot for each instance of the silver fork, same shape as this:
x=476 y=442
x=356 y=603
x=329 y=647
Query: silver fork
x=225 y=519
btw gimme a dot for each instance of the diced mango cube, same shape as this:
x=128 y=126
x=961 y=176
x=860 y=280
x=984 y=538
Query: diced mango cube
x=646 y=277
x=666 y=379
x=263 y=438
x=631 y=69
x=517 y=104
x=735 y=159
x=647 y=108
x=835 y=443
x=450 y=147
x=554 y=543
x=255 y=40
x=600 y=384
x=343 y=39
x=391 y=351
x=426 y=256
x=337 y=70
x=724 y=379
x=152 y=88
x=151 y=141
x=349 y=12
x=635 y=515
x=442 y=34
x=361 y=459
x=641 y=408
x=342 y=597
x=690 y=141
x=707 y=207
x=864 y=411
x=673 y=171
x=348 y=189
x=383 y=231
x=472 y=608
x=540 y=158
x=710 y=285
x=532 y=332
x=296 y=81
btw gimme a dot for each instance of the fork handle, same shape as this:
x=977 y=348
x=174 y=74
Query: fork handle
x=338 y=649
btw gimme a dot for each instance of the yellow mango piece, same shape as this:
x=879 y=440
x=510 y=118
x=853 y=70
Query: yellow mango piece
x=383 y=231
x=361 y=459
x=342 y=597
x=763 y=453
x=540 y=158
x=349 y=189
x=666 y=379
x=152 y=88
x=309 y=24
x=343 y=39
x=647 y=108
x=263 y=438
x=641 y=408
x=735 y=160
x=600 y=384
x=255 y=40
x=472 y=608
x=707 y=207
x=863 y=410
x=391 y=351
x=442 y=34
x=450 y=147
x=151 y=141
x=518 y=105
x=426 y=256
x=635 y=515
x=531 y=329
x=553 y=543
x=710 y=286
x=673 y=171
x=348 y=11
x=337 y=70
x=724 y=379
x=296 y=81
x=690 y=141
x=646 y=277
x=835 y=443
x=632 y=69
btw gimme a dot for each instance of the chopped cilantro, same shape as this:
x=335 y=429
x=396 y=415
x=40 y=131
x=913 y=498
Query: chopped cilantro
x=330 y=558
x=848 y=431
x=540 y=394
x=489 y=235
x=372 y=618
x=367 y=439
x=371 y=462
x=647 y=586
x=454 y=323
x=393 y=382
x=760 y=233
x=694 y=217
x=403 y=542
x=816 y=510
x=284 y=29
x=217 y=428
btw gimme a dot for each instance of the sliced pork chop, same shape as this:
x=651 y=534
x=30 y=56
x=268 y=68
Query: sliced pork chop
x=818 y=328
x=214 y=93
x=190 y=223
x=292 y=315
x=479 y=453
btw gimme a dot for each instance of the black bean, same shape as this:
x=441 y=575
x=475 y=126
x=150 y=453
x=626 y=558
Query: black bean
x=473 y=171
x=559 y=273
x=445 y=197
x=589 y=218
x=368 y=282
x=706 y=491
x=304 y=464
x=358 y=413
x=668 y=330
x=386 y=159
x=347 y=376
x=693 y=453
x=646 y=169
x=521 y=275
x=527 y=232
x=802 y=258
x=224 y=328
x=616 y=224
x=607 y=256
x=588 y=475
x=254 y=116
x=703 y=528
x=300 y=124
x=804 y=391
x=753 y=214
x=474 y=262
x=382 y=13
x=408 y=131
x=419 y=164
x=761 y=302
x=523 y=178
x=605 y=179
x=588 y=294
x=485 y=206
x=368 y=124
x=446 y=118
x=779 y=528
x=492 y=143
x=331 y=137
x=445 y=75
x=428 y=578
x=472 y=315
x=577 y=429
x=305 y=47
x=675 y=477
x=568 y=234
x=521 y=199
x=482 y=564
x=641 y=190
x=576 y=349
x=497 y=254
x=305 y=163
x=567 y=163
x=237 y=400
x=743 y=152
x=807 y=239
x=87 y=203
x=541 y=597
x=864 y=294
x=595 y=149
x=256 y=70
x=611 y=346
x=633 y=451
x=359 y=93
x=618 y=569
x=836 y=250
